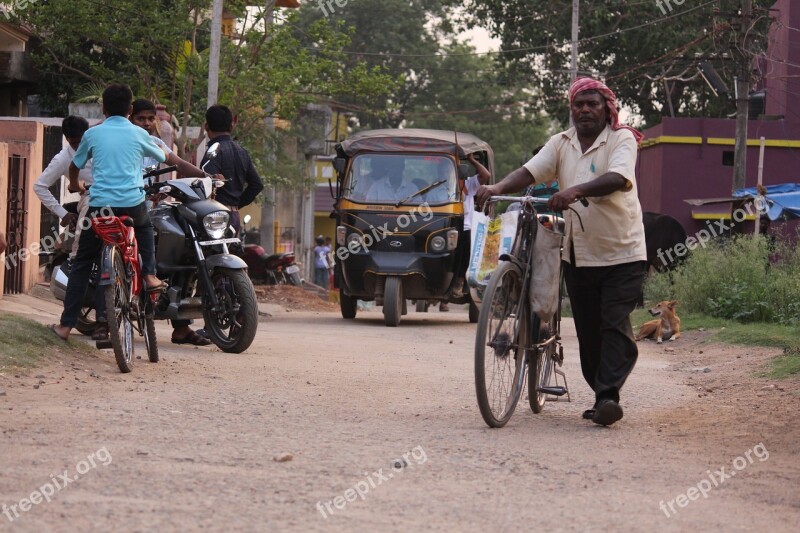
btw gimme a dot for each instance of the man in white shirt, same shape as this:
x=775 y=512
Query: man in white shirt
x=73 y=129
x=605 y=264
x=469 y=187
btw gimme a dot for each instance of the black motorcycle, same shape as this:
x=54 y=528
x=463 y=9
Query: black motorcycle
x=192 y=234
x=205 y=280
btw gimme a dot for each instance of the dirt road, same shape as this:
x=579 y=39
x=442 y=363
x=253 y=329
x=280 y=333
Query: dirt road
x=309 y=429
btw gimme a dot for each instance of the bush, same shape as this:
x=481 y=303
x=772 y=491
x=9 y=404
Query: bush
x=745 y=278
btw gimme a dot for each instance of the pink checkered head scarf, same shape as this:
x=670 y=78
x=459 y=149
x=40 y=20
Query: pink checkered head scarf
x=588 y=84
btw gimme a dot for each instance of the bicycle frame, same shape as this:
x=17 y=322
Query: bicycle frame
x=114 y=232
x=521 y=255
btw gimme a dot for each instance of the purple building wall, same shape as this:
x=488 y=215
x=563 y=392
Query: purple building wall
x=682 y=158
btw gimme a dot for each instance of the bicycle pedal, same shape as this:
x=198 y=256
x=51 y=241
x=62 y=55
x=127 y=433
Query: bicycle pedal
x=103 y=345
x=555 y=391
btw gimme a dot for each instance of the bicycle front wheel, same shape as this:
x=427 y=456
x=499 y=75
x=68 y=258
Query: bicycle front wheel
x=118 y=309
x=500 y=346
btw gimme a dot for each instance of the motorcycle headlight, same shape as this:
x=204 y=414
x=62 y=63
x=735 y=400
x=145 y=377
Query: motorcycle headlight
x=216 y=223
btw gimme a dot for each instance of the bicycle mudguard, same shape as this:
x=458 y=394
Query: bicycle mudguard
x=225 y=261
x=512 y=259
x=106 y=266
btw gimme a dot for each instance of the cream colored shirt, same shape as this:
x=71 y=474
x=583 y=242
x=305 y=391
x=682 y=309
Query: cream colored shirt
x=614 y=233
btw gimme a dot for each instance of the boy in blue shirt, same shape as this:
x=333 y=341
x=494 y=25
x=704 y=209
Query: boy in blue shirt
x=116 y=148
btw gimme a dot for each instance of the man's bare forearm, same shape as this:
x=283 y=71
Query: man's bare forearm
x=184 y=167
x=516 y=181
x=604 y=185
x=72 y=173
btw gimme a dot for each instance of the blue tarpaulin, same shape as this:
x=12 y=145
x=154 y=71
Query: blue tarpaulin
x=783 y=200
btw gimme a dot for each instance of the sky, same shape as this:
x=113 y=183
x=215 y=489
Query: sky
x=480 y=39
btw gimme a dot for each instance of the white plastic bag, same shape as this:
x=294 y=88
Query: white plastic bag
x=491 y=238
x=546 y=279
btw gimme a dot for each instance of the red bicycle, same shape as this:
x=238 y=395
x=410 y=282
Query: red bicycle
x=129 y=307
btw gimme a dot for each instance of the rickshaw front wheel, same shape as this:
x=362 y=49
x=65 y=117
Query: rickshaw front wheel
x=393 y=301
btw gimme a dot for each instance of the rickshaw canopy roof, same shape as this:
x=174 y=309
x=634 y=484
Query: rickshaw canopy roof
x=416 y=140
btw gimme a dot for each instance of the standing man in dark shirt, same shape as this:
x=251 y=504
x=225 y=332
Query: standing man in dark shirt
x=233 y=162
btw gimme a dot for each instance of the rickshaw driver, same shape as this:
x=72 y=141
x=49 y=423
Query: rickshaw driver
x=393 y=186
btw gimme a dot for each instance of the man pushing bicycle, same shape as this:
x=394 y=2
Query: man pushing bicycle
x=116 y=148
x=605 y=264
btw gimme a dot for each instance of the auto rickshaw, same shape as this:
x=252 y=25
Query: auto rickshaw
x=399 y=215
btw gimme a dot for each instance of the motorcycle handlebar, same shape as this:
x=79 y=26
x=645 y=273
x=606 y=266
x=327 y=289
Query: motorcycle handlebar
x=159 y=171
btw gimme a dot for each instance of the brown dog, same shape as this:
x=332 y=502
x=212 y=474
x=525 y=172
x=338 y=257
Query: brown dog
x=667 y=326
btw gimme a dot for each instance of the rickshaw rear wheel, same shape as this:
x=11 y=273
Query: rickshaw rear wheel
x=474 y=312
x=348 y=305
x=392 y=301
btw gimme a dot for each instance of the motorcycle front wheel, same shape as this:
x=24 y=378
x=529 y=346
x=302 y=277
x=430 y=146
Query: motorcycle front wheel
x=232 y=325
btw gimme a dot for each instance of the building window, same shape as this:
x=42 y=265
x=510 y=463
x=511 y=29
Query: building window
x=727 y=158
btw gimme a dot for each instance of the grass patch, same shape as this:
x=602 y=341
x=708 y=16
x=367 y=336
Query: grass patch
x=25 y=343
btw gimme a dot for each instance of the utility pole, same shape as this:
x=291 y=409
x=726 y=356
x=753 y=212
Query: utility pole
x=267 y=227
x=742 y=107
x=573 y=69
x=213 y=56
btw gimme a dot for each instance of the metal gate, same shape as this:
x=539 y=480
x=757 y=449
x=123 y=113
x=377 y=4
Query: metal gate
x=15 y=224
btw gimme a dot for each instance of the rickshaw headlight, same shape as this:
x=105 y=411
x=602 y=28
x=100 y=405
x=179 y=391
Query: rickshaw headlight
x=452 y=239
x=341 y=235
x=216 y=223
x=438 y=243
x=353 y=237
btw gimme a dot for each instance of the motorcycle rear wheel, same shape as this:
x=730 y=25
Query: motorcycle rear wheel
x=233 y=326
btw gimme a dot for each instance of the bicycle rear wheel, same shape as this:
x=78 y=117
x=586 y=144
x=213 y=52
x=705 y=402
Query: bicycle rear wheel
x=500 y=346
x=540 y=366
x=118 y=308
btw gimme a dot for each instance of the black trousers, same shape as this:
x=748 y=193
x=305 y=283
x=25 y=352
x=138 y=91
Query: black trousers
x=602 y=300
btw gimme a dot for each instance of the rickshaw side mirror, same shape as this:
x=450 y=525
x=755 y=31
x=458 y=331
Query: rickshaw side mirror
x=339 y=164
x=464 y=171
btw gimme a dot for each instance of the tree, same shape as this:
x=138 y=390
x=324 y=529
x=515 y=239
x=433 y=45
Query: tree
x=442 y=84
x=634 y=46
x=466 y=93
x=164 y=57
x=399 y=36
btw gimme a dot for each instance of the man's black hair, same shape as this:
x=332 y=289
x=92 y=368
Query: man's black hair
x=74 y=126
x=117 y=99
x=219 y=118
x=143 y=104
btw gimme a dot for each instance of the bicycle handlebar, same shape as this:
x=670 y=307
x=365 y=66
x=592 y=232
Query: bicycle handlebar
x=529 y=200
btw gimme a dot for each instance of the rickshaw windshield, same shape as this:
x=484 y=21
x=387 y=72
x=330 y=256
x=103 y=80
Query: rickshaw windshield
x=393 y=178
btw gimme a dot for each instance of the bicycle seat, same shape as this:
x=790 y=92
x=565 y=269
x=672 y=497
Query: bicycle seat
x=128 y=221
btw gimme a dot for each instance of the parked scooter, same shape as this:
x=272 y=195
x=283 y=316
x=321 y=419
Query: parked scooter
x=275 y=269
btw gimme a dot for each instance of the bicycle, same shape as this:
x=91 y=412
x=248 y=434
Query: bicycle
x=129 y=307
x=516 y=338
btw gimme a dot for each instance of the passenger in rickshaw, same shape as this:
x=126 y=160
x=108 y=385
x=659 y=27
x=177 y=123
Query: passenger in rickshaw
x=444 y=192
